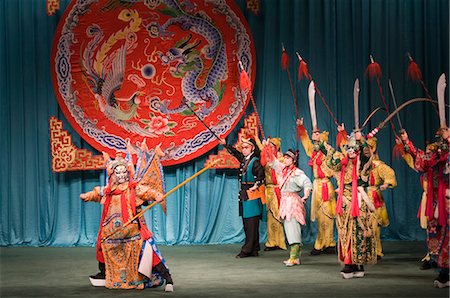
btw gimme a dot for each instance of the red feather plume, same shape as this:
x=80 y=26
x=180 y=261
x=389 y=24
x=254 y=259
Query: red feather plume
x=284 y=60
x=341 y=137
x=303 y=71
x=373 y=70
x=398 y=151
x=414 y=71
x=301 y=131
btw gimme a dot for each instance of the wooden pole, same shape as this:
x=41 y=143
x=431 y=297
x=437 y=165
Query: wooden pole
x=163 y=198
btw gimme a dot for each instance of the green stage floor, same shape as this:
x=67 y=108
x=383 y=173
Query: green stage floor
x=213 y=271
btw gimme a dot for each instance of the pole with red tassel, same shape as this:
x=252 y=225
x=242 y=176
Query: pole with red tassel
x=373 y=71
x=285 y=66
x=415 y=74
x=303 y=72
x=246 y=86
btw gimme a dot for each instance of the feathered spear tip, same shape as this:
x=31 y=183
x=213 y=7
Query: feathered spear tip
x=373 y=70
x=413 y=70
x=244 y=80
x=302 y=68
x=398 y=151
x=301 y=131
x=284 y=58
x=268 y=154
x=341 y=137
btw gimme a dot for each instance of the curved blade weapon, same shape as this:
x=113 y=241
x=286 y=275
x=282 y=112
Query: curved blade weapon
x=356 y=103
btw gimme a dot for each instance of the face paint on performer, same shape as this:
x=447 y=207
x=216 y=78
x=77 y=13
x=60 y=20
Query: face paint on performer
x=444 y=133
x=315 y=136
x=351 y=153
x=121 y=173
x=247 y=149
x=290 y=158
x=288 y=161
x=367 y=151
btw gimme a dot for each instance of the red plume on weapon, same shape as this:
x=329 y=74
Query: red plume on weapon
x=244 y=80
x=284 y=58
x=373 y=70
x=414 y=70
x=246 y=85
x=415 y=74
x=341 y=137
x=398 y=151
x=285 y=66
x=303 y=72
x=302 y=68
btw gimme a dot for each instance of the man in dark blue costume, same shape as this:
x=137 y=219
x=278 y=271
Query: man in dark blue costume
x=251 y=207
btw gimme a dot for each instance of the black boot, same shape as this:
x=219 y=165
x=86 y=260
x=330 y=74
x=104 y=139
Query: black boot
x=358 y=271
x=425 y=265
x=348 y=271
x=315 y=252
x=102 y=273
x=162 y=270
x=330 y=250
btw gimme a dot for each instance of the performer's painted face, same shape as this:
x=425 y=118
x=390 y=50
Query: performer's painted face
x=121 y=173
x=367 y=152
x=445 y=133
x=288 y=161
x=315 y=136
x=351 y=153
x=247 y=149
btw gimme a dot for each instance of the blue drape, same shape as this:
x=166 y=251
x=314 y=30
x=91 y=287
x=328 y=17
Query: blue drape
x=39 y=207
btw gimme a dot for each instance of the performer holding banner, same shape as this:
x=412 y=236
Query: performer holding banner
x=251 y=194
x=323 y=202
x=131 y=258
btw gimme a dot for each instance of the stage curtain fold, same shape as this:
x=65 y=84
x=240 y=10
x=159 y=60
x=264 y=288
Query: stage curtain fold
x=39 y=207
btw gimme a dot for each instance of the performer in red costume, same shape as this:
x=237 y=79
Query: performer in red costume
x=128 y=256
x=433 y=163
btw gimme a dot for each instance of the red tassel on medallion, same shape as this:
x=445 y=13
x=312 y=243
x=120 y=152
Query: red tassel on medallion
x=244 y=81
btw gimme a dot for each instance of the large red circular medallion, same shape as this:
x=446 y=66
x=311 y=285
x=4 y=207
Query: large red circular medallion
x=134 y=70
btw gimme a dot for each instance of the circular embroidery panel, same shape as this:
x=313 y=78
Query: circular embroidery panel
x=149 y=70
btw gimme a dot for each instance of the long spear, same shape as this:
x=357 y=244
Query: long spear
x=373 y=70
x=162 y=199
x=392 y=114
x=395 y=104
x=246 y=85
x=285 y=66
x=304 y=72
x=201 y=120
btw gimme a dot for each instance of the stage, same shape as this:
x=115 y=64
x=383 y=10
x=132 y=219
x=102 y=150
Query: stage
x=213 y=271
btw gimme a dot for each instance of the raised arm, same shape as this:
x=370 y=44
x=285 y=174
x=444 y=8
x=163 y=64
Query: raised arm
x=93 y=195
x=233 y=151
x=304 y=138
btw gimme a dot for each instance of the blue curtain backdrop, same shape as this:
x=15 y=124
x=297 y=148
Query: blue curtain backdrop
x=39 y=207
